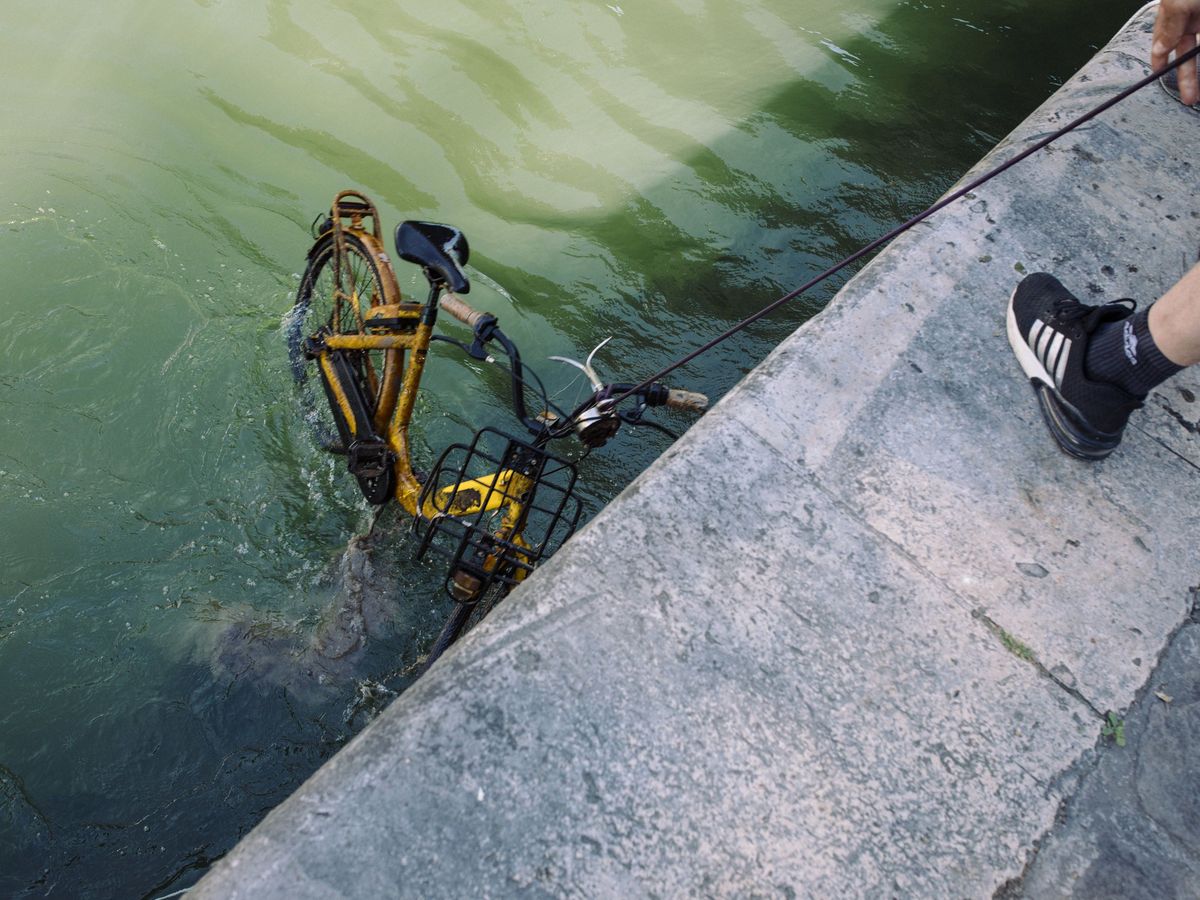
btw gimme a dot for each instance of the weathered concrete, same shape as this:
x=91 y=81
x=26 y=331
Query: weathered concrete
x=855 y=633
x=1133 y=829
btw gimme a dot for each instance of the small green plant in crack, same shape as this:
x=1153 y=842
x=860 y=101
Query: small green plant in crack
x=1015 y=646
x=1114 y=728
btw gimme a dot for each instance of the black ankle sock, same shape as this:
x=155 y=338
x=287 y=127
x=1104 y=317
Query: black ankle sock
x=1123 y=353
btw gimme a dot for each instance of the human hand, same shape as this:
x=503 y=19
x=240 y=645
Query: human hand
x=1175 y=28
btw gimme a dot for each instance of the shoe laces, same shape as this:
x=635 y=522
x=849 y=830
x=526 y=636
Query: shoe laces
x=1068 y=309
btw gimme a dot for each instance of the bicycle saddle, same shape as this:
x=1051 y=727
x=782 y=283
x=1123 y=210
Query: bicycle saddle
x=441 y=250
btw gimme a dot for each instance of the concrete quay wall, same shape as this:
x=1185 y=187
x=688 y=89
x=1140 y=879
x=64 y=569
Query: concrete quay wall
x=856 y=633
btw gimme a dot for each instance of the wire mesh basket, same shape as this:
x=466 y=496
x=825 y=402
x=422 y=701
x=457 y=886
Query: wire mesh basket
x=495 y=508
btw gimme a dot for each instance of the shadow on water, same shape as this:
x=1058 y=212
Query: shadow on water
x=230 y=729
x=236 y=704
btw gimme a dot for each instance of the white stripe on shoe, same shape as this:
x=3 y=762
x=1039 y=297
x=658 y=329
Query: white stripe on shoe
x=1061 y=368
x=1043 y=343
x=1034 y=331
x=1052 y=353
x=1025 y=345
x=1051 y=348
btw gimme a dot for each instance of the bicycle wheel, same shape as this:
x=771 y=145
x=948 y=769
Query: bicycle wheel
x=463 y=618
x=317 y=308
x=321 y=308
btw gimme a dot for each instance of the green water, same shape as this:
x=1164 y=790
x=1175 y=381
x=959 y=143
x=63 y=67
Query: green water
x=170 y=538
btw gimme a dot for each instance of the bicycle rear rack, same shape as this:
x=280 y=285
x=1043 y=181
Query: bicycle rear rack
x=471 y=491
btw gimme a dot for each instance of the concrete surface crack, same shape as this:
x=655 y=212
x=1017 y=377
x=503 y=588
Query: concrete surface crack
x=1188 y=425
x=1175 y=414
x=1010 y=642
x=1016 y=647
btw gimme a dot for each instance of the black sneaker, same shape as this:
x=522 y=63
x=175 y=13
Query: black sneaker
x=1049 y=331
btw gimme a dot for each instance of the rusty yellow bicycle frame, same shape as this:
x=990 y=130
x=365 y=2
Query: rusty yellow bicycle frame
x=405 y=340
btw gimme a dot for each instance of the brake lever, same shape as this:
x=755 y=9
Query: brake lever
x=586 y=366
x=485 y=330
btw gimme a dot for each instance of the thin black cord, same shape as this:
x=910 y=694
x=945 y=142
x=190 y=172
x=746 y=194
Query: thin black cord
x=649 y=423
x=915 y=220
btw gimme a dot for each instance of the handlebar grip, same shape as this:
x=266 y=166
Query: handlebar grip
x=686 y=400
x=460 y=309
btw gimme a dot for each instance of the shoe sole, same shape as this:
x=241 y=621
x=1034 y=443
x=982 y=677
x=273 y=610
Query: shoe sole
x=1056 y=411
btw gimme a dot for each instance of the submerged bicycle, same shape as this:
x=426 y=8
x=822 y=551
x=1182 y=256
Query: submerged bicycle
x=494 y=507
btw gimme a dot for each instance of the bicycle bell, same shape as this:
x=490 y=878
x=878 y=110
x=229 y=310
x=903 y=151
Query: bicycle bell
x=594 y=426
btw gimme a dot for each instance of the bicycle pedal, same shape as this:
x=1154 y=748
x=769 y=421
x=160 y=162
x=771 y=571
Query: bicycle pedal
x=369 y=458
x=312 y=347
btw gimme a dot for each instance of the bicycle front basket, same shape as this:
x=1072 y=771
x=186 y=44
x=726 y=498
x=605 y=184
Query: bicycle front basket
x=495 y=508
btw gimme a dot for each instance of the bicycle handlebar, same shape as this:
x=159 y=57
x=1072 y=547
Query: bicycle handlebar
x=691 y=401
x=487 y=330
x=461 y=309
x=656 y=394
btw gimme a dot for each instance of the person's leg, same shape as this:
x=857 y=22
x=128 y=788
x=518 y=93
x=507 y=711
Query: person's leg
x=1175 y=320
x=1093 y=365
x=1052 y=334
x=1130 y=353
